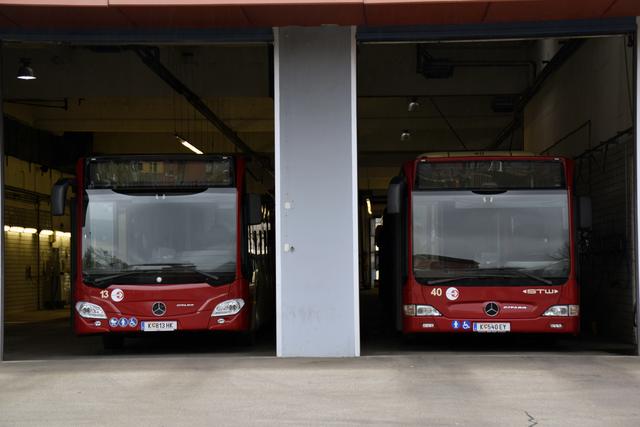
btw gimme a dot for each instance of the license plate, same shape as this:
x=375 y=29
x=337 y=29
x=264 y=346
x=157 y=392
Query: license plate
x=157 y=326
x=491 y=327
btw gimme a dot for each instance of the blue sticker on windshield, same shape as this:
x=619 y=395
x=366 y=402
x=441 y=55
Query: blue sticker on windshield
x=455 y=324
x=123 y=322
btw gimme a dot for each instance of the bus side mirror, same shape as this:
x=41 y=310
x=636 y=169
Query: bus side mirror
x=254 y=209
x=585 y=221
x=395 y=195
x=59 y=195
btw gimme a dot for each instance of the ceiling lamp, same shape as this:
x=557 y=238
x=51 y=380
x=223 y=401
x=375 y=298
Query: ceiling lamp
x=405 y=135
x=413 y=105
x=25 y=72
x=188 y=145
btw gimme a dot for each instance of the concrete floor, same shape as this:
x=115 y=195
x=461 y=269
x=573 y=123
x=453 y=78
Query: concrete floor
x=410 y=389
x=53 y=378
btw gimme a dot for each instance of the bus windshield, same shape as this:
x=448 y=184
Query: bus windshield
x=158 y=231
x=510 y=237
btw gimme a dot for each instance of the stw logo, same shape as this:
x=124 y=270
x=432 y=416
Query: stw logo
x=540 y=291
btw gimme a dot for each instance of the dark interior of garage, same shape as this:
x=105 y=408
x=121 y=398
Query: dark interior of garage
x=570 y=97
x=563 y=97
x=108 y=100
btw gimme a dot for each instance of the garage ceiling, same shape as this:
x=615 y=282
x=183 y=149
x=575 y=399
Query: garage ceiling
x=92 y=14
x=111 y=94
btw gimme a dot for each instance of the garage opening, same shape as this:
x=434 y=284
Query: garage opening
x=66 y=104
x=556 y=97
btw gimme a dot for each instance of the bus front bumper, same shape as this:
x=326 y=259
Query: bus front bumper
x=440 y=324
x=124 y=323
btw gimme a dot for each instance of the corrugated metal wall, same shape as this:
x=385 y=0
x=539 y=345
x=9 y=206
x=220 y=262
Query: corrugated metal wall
x=36 y=267
x=607 y=266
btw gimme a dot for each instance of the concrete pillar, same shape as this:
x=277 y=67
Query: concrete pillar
x=316 y=192
x=637 y=183
x=2 y=293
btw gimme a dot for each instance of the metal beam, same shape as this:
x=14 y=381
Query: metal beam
x=497 y=31
x=151 y=58
x=124 y=36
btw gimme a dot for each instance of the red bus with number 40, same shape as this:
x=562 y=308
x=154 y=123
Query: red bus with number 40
x=167 y=243
x=482 y=242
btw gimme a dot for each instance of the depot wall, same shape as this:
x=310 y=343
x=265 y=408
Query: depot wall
x=594 y=85
x=34 y=283
x=36 y=266
x=30 y=176
x=588 y=101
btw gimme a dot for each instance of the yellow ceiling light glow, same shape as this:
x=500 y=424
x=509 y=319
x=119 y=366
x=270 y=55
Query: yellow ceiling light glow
x=188 y=145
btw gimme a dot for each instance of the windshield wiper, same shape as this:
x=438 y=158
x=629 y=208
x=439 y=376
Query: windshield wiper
x=166 y=268
x=104 y=279
x=532 y=276
x=162 y=264
x=100 y=280
x=489 y=275
x=190 y=268
x=452 y=279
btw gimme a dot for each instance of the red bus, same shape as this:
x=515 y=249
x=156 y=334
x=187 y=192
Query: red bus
x=167 y=243
x=482 y=242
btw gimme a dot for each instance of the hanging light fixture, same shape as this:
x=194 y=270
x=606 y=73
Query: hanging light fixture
x=405 y=135
x=188 y=144
x=25 y=72
x=413 y=105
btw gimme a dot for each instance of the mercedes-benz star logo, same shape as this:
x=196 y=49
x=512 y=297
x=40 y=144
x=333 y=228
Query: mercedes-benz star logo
x=491 y=309
x=158 y=308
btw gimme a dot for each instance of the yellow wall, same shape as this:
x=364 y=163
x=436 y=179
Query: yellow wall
x=29 y=279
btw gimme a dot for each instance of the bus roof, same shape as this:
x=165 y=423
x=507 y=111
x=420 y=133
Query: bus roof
x=477 y=154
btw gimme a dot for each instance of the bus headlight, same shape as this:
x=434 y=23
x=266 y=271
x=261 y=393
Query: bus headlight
x=420 y=310
x=228 y=307
x=562 y=311
x=426 y=310
x=90 y=311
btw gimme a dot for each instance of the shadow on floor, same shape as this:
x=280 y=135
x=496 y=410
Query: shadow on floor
x=54 y=339
x=48 y=335
x=379 y=338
